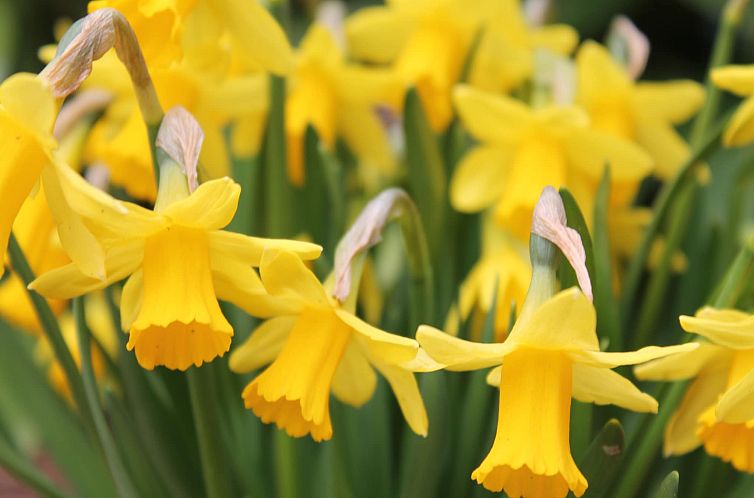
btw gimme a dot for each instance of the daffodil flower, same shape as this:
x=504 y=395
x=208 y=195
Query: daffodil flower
x=317 y=346
x=739 y=80
x=179 y=263
x=716 y=410
x=522 y=150
x=551 y=355
x=339 y=100
x=643 y=112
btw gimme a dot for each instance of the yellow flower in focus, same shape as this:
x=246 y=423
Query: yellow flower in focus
x=643 y=112
x=551 y=355
x=426 y=42
x=716 y=410
x=522 y=150
x=502 y=264
x=739 y=80
x=339 y=100
x=100 y=324
x=180 y=263
x=504 y=57
x=37 y=235
x=316 y=346
x=161 y=25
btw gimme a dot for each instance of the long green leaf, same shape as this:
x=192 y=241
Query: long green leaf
x=668 y=487
x=602 y=459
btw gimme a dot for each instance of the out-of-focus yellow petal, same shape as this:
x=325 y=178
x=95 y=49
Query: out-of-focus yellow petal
x=491 y=118
x=664 y=144
x=612 y=360
x=246 y=135
x=457 y=354
x=214 y=162
x=683 y=365
x=740 y=130
x=377 y=34
x=262 y=346
x=257 y=33
x=564 y=322
x=131 y=298
x=560 y=38
x=730 y=328
x=67 y=281
x=605 y=387
x=406 y=390
x=735 y=78
x=497 y=74
x=590 y=151
x=480 y=179
x=355 y=380
x=285 y=276
x=681 y=431
x=211 y=206
x=736 y=406
x=675 y=101
x=28 y=99
x=368 y=85
x=366 y=136
x=388 y=348
x=249 y=250
x=598 y=74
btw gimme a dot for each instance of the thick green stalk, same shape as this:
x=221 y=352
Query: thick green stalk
x=125 y=487
x=51 y=329
x=285 y=465
x=206 y=422
x=152 y=130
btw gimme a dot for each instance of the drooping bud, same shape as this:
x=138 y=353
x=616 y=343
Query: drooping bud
x=181 y=137
x=549 y=222
x=88 y=40
x=628 y=45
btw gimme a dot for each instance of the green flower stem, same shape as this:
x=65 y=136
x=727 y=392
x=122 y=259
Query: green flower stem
x=277 y=195
x=51 y=329
x=285 y=465
x=641 y=458
x=420 y=267
x=206 y=422
x=28 y=474
x=152 y=130
x=121 y=478
x=721 y=54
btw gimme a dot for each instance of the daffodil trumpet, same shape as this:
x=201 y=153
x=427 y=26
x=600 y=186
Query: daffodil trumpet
x=551 y=355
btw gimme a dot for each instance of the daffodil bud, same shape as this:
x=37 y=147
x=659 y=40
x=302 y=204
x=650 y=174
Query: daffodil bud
x=628 y=45
x=87 y=41
x=179 y=142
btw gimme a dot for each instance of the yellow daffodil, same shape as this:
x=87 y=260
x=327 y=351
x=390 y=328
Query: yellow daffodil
x=551 y=355
x=504 y=57
x=100 y=324
x=180 y=263
x=643 y=112
x=161 y=26
x=339 y=100
x=524 y=149
x=316 y=346
x=717 y=408
x=739 y=80
x=36 y=234
x=27 y=113
x=427 y=42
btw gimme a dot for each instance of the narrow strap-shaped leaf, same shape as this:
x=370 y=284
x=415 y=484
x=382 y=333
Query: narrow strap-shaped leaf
x=668 y=487
x=602 y=459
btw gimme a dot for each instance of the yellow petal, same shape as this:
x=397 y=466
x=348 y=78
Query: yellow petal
x=683 y=365
x=368 y=85
x=388 y=348
x=67 y=281
x=285 y=275
x=406 y=390
x=262 y=346
x=735 y=78
x=489 y=117
x=214 y=162
x=668 y=150
x=480 y=179
x=211 y=206
x=29 y=100
x=248 y=250
x=590 y=151
x=598 y=73
x=605 y=387
x=612 y=360
x=736 y=406
x=355 y=380
x=674 y=101
x=367 y=137
x=377 y=34
x=565 y=322
x=131 y=298
x=740 y=130
x=457 y=354
x=257 y=33
x=681 y=431
x=730 y=328
x=560 y=38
